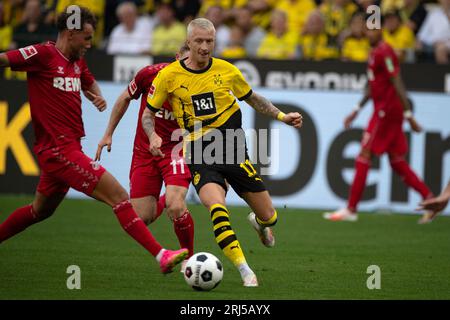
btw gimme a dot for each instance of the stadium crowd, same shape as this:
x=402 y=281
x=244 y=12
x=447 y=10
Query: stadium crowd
x=419 y=31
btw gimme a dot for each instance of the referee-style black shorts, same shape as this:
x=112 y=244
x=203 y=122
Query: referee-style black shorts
x=242 y=177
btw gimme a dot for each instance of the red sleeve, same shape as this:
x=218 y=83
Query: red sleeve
x=390 y=62
x=32 y=58
x=137 y=85
x=143 y=80
x=87 y=79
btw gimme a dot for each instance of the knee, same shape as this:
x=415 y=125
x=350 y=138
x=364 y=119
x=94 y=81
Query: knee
x=175 y=207
x=394 y=159
x=148 y=219
x=119 y=195
x=43 y=213
x=365 y=154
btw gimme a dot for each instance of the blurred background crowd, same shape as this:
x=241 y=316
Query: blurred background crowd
x=419 y=31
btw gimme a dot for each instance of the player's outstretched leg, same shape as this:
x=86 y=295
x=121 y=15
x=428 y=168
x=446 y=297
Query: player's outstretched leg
x=111 y=192
x=41 y=208
x=263 y=217
x=228 y=242
x=212 y=195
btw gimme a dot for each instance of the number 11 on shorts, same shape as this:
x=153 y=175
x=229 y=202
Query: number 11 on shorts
x=174 y=166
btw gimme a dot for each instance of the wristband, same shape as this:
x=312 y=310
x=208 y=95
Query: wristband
x=280 y=115
x=357 y=108
x=408 y=114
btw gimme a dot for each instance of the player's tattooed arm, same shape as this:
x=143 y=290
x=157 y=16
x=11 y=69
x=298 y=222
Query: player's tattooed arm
x=148 y=124
x=4 y=62
x=264 y=106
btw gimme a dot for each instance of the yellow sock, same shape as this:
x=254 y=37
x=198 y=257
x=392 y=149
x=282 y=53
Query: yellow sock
x=268 y=223
x=225 y=236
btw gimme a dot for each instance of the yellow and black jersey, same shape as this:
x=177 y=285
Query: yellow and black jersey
x=204 y=97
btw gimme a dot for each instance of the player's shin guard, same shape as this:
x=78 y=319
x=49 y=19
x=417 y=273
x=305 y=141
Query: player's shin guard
x=18 y=221
x=268 y=223
x=402 y=168
x=184 y=229
x=135 y=227
x=225 y=236
x=362 y=167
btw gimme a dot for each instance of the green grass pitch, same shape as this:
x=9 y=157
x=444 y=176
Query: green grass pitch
x=312 y=259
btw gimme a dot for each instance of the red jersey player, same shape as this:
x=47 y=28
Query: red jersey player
x=56 y=73
x=384 y=133
x=147 y=172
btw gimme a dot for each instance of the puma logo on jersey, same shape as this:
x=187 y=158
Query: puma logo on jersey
x=234 y=247
x=165 y=114
x=67 y=84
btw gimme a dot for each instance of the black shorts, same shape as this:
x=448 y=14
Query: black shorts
x=221 y=156
x=242 y=177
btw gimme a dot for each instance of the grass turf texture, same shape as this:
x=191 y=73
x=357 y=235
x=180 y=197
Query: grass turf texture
x=312 y=259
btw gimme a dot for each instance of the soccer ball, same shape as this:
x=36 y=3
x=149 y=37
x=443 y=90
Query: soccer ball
x=203 y=271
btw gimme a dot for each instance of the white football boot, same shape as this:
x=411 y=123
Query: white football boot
x=341 y=215
x=265 y=233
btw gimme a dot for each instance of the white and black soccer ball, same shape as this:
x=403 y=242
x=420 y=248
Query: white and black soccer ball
x=203 y=271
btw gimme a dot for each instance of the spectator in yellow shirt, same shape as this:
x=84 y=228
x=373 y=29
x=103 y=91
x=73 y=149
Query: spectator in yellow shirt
x=169 y=35
x=279 y=43
x=355 y=44
x=337 y=15
x=235 y=49
x=314 y=41
x=5 y=31
x=297 y=12
x=398 y=36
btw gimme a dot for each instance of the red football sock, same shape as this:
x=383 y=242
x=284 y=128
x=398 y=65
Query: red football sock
x=362 y=167
x=18 y=221
x=135 y=227
x=184 y=229
x=402 y=168
x=160 y=205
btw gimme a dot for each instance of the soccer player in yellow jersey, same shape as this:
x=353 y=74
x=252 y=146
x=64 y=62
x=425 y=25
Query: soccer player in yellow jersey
x=202 y=91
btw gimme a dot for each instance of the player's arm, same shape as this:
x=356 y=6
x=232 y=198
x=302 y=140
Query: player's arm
x=94 y=94
x=119 y=109
x=148 y=124
x=352 y=116
x=401 y=92
x=4 y=61
x=264 y=106
x=157 y=94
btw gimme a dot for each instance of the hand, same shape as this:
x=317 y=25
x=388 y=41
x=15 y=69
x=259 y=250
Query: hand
x=434 y=204
x=105 y=142
x=349 y=119
x=98 y=101
x=414 y=125
x=294 y=119
x=155 y=145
